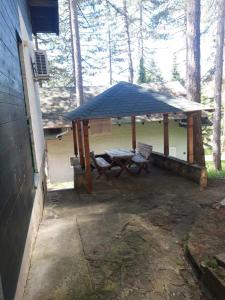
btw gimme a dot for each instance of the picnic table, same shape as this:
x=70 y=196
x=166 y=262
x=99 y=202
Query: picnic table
x=122 y=158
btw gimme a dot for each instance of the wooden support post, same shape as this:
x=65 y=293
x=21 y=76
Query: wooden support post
x=87 y=157
x=133 y=125
x=190 y=138
x=166 y=134
x=75 y=138
x=80 y=143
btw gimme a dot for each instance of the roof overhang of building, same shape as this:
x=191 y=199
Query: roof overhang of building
x=44 y=16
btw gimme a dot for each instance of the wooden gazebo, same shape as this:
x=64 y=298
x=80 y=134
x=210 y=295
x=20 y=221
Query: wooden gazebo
x=129 y=100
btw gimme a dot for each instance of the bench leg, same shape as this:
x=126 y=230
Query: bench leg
x=143 y=166
x=146 y=168
x=102 y=172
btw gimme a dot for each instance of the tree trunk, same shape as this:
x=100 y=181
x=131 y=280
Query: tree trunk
x=193 y=75
x=127 y=28
x=110 y=58
x=73 y=45
x=77 y=50
x=218 y=85
x=141 y=31
x=109 y=42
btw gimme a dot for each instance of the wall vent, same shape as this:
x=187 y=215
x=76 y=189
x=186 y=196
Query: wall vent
x=41 y=69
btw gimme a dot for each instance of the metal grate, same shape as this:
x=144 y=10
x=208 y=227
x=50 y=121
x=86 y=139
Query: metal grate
x=41 y=65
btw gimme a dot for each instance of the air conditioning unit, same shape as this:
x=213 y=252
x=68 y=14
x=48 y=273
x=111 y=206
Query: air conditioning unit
x=40 y=66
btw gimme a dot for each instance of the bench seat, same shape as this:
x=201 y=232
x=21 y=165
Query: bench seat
x=142 y=157
x=102 y=163
x=138 y=158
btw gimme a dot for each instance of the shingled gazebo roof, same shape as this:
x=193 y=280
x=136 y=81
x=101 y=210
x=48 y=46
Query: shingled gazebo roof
x=126 y=99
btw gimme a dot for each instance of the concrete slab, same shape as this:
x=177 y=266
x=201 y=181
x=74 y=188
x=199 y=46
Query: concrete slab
x=59 y=269
x=125 y=241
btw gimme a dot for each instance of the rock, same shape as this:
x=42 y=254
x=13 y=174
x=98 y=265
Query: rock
x=221 y=259
x=222 y=202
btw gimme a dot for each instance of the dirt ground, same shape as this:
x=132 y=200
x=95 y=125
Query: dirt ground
x=124 y=241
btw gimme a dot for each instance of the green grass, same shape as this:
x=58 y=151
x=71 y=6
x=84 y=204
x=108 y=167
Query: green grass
x=208 y=151
x=212 y=173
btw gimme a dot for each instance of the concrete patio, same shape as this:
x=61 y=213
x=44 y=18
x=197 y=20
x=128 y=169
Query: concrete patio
x=124 y=241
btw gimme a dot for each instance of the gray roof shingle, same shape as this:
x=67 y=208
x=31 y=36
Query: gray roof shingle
x=126 y=99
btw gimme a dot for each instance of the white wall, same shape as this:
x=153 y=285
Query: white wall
x=59 y=152
x=31 y=90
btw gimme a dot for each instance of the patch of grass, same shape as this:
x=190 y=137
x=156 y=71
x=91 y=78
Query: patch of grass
x=208 y=151
x=209 y=262
x=212 y=173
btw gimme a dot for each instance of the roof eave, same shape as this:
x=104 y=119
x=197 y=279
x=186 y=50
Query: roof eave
x=44 y=16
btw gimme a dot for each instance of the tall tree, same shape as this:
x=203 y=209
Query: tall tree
x=218 y=84
x=127 y=28
x=109 y=42
x=124 y=13
x=175 y=72
x=77 y=49
x=110 y=57
x=142 y=71
x=73 y=44
x=193 y=70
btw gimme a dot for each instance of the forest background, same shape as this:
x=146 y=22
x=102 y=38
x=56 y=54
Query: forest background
x=140 y=41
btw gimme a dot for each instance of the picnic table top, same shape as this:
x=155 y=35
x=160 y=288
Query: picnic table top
x=119 y=153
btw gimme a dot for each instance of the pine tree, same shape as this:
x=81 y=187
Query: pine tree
x=193 y=80
x=218 y=85
x=142 y=72
x=59 y=51
x=153 y=73
x=77 y=50
x=175 y=73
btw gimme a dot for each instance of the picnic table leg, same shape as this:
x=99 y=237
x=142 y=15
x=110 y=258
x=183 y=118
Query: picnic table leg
x=124 y=167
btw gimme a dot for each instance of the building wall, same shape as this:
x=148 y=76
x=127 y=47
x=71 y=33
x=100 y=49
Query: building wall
x=21 y=149
x=59 y=151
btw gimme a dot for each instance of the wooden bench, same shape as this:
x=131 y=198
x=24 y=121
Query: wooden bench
x=142 y=157
x=101 y=165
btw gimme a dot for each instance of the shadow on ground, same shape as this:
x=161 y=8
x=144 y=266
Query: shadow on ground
x=124 y=241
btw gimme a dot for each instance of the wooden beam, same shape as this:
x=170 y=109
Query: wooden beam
x=166 y=134
x=75 y=138
x=87 y=157
x=80 y=143
x=190 y=138
x=133 y=125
